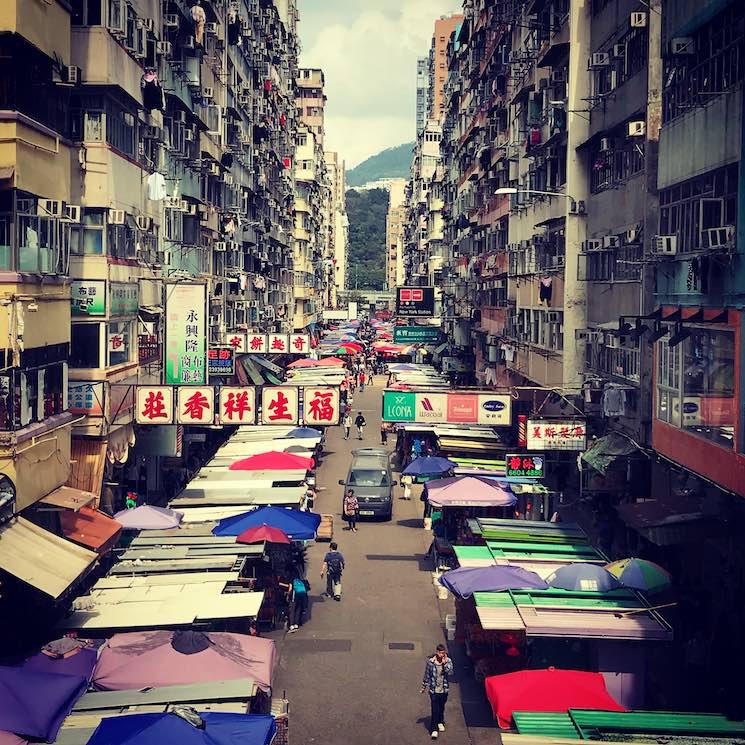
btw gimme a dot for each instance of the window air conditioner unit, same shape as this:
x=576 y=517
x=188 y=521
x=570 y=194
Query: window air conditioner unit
x=214 y=169
x=208 y=92
x=116 y=217
x=599 y=59
x=189 y=135
x=717 y=237
x=636 y=129
x=170 y=20
x=253 y=303
x=581 y=335
x=183 y=205
x=606 y=144
x=164 y=48
x=179 y=116
x=558 y=76
x=611 y=241
x=49 y=208
x=638 y=19
x=144 y=222
x=219 y=246
x=619 y=50
x=244 y=99
x=632 y=235
x=172 y=202
x=665 y=245
x=592 y=244
x=146 y=23
x=682 y=45
x=611 y=341
x=228 y=179
x=554 y=316
x=210 y=28
x=188 y=42
x=73 y=74
x=72 y=212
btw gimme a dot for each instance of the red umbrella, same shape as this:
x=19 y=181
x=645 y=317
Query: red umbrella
x=332 y=362
x=273 y=461
x=263 y=534
x=305 y=362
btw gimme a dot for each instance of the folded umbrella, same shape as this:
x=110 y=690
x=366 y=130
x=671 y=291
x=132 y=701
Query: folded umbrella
x=464 y=582
x=583 y=577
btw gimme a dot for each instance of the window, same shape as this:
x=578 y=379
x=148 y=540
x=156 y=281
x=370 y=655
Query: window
x=87 y=238
x=611 y=265
x=696 y=384
x=121 y=241
x=119 y=343
x=614 y=166
x=86 y=13
x=85 y=345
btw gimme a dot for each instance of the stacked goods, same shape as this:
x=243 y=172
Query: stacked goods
x=326 y=528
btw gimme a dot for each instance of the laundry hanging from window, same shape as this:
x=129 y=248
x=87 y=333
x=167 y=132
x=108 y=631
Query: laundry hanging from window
x=199 y=17
x=234 y=29
x=152 y=92
x=614 y=401
x=545 y=290
x=156 y=187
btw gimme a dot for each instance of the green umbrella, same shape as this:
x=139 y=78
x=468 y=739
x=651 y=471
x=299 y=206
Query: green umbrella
x=640 y=574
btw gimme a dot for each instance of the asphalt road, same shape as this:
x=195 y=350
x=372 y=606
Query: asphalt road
x=352 y=674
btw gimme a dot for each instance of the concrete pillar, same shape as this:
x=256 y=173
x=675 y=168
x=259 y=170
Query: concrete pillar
x=577 y=186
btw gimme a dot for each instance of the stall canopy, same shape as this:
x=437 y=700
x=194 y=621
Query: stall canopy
x=40 y=558
x=549 y=690
x=464 y=582
x=607 y=449
x=216 y=728
x=298 y=526
x=90 y=528
x=273 y=461
x=469 y=491
x=72 y=658
x=148 y=517
x=165 y=658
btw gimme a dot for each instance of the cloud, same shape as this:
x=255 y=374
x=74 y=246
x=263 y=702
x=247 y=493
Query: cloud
x=370 y=68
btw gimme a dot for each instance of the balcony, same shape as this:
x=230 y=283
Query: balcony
x=148 y=349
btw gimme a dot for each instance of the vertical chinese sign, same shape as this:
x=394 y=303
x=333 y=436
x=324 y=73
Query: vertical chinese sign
x=321 y=406
x=186 y=334
x=279 y=405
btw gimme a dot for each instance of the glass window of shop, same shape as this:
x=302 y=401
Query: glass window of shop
x=120 y=347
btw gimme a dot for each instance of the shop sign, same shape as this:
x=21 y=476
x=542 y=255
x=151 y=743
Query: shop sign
x=525 y=465
x=237 y=342
x=299 y=344
x=154 y=404
x=415 y=334
x=321 y=406
x=556 y=434
x=448 y=408
x=399 y=407
x=279 y=405
x=196 y=405
x=220 y=361
x=237 y=405
x=277 y=343
x=256 y=344
x=117 y=342
x=415 y=301
x=88 y=298
x=124 y=298
x=85 y=397
x=186 y=334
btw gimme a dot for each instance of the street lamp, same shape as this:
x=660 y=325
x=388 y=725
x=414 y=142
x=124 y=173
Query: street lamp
x=511 y=190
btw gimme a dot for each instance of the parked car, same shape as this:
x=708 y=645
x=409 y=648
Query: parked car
x=371 y=479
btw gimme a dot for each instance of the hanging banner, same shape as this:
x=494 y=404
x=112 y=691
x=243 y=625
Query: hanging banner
x=556 y=434
x=256 y=344
x=154 y=404
x=237 y=342
x=88 y=297
x=320 y=406
x=196 y=405
x=448 y=408
x=237 y=405
x=277 y=343
x=220 y=361
x=299 y=344
x=186 y=334
x=280 y=405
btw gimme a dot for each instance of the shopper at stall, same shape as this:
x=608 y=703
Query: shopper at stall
x=333 y=568
x=298 y=603
x=351 y=510
x=436 y=680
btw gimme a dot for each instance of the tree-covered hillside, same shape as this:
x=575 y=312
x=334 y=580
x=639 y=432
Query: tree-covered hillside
x=395 y=162
x=367 y=212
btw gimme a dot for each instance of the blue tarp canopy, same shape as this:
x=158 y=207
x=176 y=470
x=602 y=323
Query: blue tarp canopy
x=429 y=465
x=299 y=526
x=464 y=582
x=159 y=729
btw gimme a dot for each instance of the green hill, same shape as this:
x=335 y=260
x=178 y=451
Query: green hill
x=395 y=162
x=367 y=211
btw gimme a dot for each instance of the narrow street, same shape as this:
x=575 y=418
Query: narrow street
x=344 y=680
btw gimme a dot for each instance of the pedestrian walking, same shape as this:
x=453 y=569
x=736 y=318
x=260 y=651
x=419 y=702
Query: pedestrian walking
x=333 y=567
x=347 y=422
x=351 y=508
x=436 y=680
x=384 y=433
x=359 y=422
x=298 y=603
x=406 y=482
x=362 y=378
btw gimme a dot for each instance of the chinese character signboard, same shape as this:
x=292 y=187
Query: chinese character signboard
x=321 y=406
x=525 y=465
x=85 y=398
x=277 y=343
x=186 y=334
x=415 y=301
x=220 y=361
x=237 y=405
x=236 y=342
x=493 y=409
x=154 y=404
x=279 y=405
x=547 y=434
x=117 y=342
x=299 y=344
x=256 y=344
x=412 y=334
x=124 y=298
x=196 y=405
x=88 y=298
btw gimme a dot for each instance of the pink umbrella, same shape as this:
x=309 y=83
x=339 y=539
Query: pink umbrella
x=145 y=659
x=305 y=362
x=469 y=491
x=273 y=461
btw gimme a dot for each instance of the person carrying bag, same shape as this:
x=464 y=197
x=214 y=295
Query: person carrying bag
x=351 y=510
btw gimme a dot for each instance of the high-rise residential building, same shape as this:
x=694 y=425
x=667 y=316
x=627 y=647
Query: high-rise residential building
x=394 y=233
x=338 y=227
x=438 y=64
x=422 y=93
x=311 y=100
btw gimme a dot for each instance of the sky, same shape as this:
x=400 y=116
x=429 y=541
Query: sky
x=368 y=51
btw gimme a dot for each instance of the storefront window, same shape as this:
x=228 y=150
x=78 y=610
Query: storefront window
x=696 y=384
x=119 y=342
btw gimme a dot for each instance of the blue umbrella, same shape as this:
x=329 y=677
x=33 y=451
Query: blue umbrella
x=156 y=729
x=301 y=432
x=426 y=465
x=299 y=526
x=583 y=577
x=497 y=578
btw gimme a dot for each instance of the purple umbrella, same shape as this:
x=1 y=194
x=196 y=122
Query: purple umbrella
x=469 y=491
x=148 y=517
x=497 y=578
x=80 y=664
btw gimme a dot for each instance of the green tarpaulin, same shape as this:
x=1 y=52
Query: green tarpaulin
x=607 y=449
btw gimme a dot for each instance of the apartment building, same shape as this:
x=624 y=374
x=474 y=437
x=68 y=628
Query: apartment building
x=422 y=93
x=311 y=100
x=394 y=234
x=338 y=267
x=438 y=65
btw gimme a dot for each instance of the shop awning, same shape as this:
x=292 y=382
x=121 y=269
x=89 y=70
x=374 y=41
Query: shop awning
x=276 y=369
x=253 y=373
x=150 y=313
x=69 y=498
x=605 y=450
x=90 y=528
x=668 y=522
x=40 y=558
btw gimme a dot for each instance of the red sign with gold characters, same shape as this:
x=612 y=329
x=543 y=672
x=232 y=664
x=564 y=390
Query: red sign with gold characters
x=320 y=406
x=196 y=405
x=154 y=404
x=279 y=405
x=556 y=434
x=237 y=405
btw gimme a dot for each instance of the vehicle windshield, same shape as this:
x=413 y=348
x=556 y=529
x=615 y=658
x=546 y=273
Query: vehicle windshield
x=369 y=477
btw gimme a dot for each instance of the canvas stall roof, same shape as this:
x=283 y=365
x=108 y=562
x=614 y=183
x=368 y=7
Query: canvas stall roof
x=474 y=556
x=185 y=578
x=497 y=610
x=68 y=498
x=527 y=530
x=40 y=558
x=159 y=553
x=605 y=450
x=201 y=564
x=238 y=496
x=90 y=528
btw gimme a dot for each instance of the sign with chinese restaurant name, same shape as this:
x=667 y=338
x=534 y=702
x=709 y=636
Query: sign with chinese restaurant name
x=220 y=361
x=237 y=405
x=448 y=408
x=117 y=342
x=556 y=434
x=414 y=334
x=237 y=342
x=196 y=404
x=186 y=334
x=415 y=301
x=154 y=404
x=279 y=405
x=525 y=465
x=320 y=406
x=124 y=298
x=88 y=297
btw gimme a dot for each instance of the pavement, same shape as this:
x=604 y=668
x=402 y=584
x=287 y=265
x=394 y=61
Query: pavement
x=353 y=672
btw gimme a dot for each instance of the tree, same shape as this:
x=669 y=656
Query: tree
x=367 y=212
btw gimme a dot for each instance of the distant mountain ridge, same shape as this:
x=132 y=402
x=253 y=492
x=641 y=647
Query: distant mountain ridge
x=394 y=162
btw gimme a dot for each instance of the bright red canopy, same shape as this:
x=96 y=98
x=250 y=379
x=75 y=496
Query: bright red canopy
x=304 y=362
x=332 y=362
x=263 y=533
x=273 y=461
x=548 y=690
